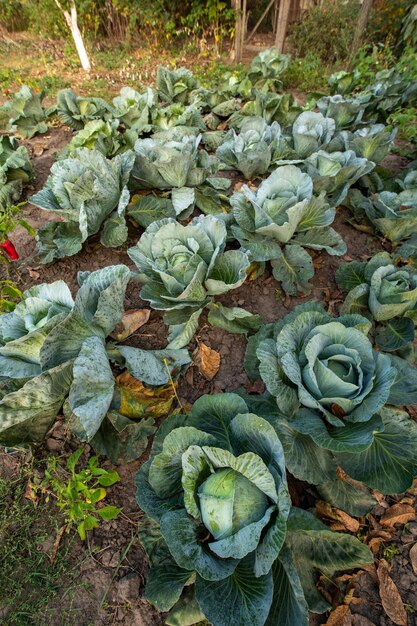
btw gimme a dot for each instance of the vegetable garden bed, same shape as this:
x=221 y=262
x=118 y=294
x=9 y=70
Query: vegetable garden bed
x=285 y=414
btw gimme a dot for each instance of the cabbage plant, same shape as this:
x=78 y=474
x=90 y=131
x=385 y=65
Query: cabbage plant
x=279 y=219
x=346 y=112
x=75 y=111
x=53 y=350
x=177 y=114
x=175 y=85
x=266 y=68
x=175 y=165
x=384 y=292
x=335 y=172
x=15 y=170
x=272 y=107
x=230 y=547
x=252 y=149
x=26 y=114
x=310 y=132
x=333 y=393
x=392 y=214
x=133 y=109
x=371 y=142
x=102 y=136
x=184 y=267
x=89 y=192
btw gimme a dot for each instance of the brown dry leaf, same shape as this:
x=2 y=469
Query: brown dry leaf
x=30 y=493
x=413 y=558
x=390 y=596
x=137 y=401
x=207 y=361
x=33 y=273
x=337 y=515
x=398 y=514
x=57 y=542
x=189 y=376
x=38 y=150
x=238 y=186
x=337 y=617
x=131 y=321
x=258 y=386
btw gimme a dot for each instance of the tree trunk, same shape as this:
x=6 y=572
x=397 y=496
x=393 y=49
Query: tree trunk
x=72 y=21
x=284 y=11
x=237 y=5
x=361 y=25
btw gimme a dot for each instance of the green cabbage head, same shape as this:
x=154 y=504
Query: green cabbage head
x=328 y=365
x=385 y=292
x=230 y=547
x=183 y=267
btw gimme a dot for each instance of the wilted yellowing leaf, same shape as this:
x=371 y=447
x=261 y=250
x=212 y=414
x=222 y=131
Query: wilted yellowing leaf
x=139 y=401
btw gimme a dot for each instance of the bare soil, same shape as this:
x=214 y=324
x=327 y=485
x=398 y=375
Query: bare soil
x=112 y=565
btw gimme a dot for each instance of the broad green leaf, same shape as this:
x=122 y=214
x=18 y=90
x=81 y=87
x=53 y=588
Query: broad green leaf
x=390 y=463
x=394 y=334
x=184 y=539
x=186 y=612
x=121 y=438
x=166 y=467
x=352 y=437
x=350 y=275
x=316 y=549
x=213 y=414
x=238 y=599
x=165 y=584
x=182 y=198
x=92 y=389
x=304 y=458
x=322 y=239
x=154 y=505
x=404 y=388
x=148 y=209
x=181 y=334
x=154 y=367
x=293 y=269
x=233 y=319
x=348 y=495
x=27 y=414
x=289 y=607
x=356 y=301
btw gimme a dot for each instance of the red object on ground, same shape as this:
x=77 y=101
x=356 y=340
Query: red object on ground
x=9 y=250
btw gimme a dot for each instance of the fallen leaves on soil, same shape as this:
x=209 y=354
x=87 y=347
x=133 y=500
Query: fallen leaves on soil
x=207 y=361
x=390 y=596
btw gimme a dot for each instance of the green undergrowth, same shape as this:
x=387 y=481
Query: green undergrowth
x=29 y=580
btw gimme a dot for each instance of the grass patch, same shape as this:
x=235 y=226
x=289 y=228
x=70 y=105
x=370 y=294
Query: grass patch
x=28 y=579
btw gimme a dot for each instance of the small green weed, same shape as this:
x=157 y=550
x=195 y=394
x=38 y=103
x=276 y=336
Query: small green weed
x=308 y=73
x=77 y=493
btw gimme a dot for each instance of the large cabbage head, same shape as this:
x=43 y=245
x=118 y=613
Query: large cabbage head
x=310 y=132
x=326 y=364
x=346 y=112
x=335 y=172
x=15 y=170
x=216 y=500
x=278 y=207
x=216 y=485
x=385 y=292
x=175 y=85
x=25 y=111
x=163 y=164
x=88 y=191
x=372 y=142
x=75 y=111
x=183 y=267
x=266 y=68
x=133 y=108
x=251 y=150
